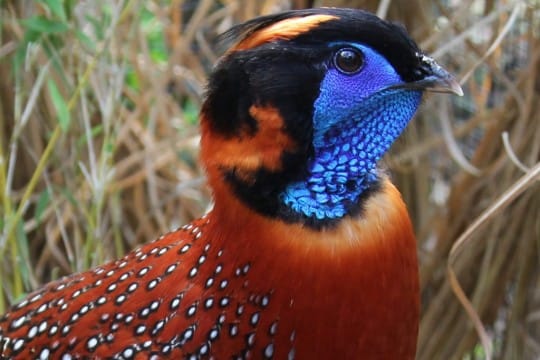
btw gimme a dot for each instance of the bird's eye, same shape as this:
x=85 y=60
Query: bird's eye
x=348 y=60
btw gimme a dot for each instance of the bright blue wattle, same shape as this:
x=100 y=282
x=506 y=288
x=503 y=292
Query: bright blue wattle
x=356 y=119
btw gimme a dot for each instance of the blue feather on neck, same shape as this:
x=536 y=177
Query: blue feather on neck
x=356 y=120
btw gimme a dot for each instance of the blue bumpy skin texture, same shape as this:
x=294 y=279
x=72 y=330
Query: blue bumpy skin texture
x=356 y=119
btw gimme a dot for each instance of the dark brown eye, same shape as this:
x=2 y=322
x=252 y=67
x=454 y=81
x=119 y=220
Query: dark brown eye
x=348 y=60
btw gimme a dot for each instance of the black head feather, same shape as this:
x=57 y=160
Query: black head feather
x=389 y=39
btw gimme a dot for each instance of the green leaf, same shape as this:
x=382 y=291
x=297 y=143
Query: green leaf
x=44 y=25
x=41 y=205
x=56 y=7
x=132 y=80
x=60 y=105
x=85 y=40
x=96 y=130
x=22 y=259
x=190 y=112
x=70 y=197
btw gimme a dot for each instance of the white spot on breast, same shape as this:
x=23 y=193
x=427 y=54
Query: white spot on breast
x=240 y=310
x=35 y=298
x=233 y=330
x=18 y=344
x=175 y=302
x=213 y=335
x=17 y=323
x=65 y=330
x=143 y=271
x=269 y=351
x=191 y=310
x=202 y=259
x=42 y=326
x=166 y=349
x=219 y=268
x=42 y=308
x=22 y=304
x=224 y=301
x=144 y=312
x=291 y=354
x=53 y=330
x=170 y=268
x=184 y=249
x=223 y=284
x=32 y=332
x=158 y=327
x=154 y=305
x=193 y=272
x=188 y=334
x=208 y=303
x=74 y=317
x=128 y=353
x=204 y=349
x=139 y=330
x=254 y=320
x=44 y=354
x=153 y=283
x=250 y=339
x=120 y=299
x=92 y=343
x=273 y=328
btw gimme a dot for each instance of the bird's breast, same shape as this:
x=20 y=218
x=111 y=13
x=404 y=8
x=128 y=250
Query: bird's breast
x=344 y=291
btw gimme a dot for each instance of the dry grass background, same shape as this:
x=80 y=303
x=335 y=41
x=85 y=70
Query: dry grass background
x=99 y=143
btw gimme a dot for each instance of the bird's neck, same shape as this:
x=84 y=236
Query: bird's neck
x=347 y=148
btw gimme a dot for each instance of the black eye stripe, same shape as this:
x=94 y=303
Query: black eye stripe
x=348 y=60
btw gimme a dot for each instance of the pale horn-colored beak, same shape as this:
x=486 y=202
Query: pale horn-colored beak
x=436 y=79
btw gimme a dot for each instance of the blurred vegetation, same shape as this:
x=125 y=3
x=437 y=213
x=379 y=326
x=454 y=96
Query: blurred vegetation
x=99 y=144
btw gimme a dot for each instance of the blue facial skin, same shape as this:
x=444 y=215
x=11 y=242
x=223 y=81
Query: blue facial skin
x=357 y=117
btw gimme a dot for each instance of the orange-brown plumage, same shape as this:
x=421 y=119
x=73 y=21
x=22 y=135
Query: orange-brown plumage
x=308 y=252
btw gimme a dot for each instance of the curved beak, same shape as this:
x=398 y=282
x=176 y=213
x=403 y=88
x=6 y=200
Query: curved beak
x=436 y=79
